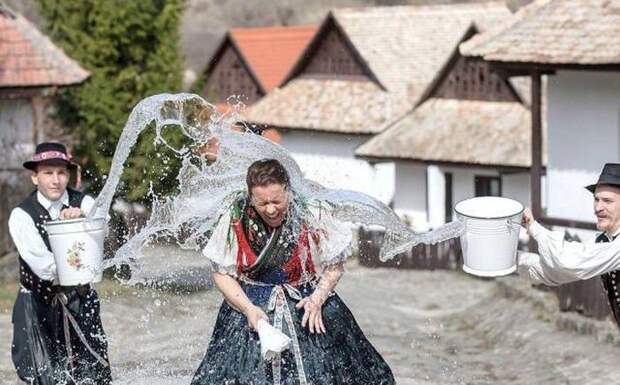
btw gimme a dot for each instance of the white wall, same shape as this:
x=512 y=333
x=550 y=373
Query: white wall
x=436 y=196
x=583 y=120
x=16 y=132
x=463 y=186
x=329 y=159
x=517 y=187
x=417 y=184
x=410 y=194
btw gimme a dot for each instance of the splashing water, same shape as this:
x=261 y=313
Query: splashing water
x=205 y=188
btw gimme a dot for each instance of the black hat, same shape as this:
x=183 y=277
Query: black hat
x=50 y=153
x=609 y=176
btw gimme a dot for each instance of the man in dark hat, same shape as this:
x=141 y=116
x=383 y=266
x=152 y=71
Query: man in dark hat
x=561 y=262
x=57 y=333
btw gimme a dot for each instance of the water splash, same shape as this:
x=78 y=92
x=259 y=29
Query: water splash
x=205 y=184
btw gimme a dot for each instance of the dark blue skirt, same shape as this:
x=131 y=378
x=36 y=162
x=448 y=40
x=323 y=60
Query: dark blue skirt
x=341 y=356
x=39 y=349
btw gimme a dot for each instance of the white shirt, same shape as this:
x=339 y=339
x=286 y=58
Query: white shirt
x=28 y=241
x=561 y=261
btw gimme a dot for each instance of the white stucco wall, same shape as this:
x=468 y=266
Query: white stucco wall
x=436 y=196
x=329 y=159
x=16 y=132
x=410 y=194
x=517 y=186
x=420 y=190
x=583 y=119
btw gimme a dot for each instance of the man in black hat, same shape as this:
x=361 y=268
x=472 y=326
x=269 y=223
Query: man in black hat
x=57 y=333
x=561 y=262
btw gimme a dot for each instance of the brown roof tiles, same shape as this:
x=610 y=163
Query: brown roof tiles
x=404 y=47
x=584 y=32
x=458 y=131
x=29 y=59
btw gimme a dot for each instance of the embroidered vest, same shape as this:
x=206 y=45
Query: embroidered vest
x=610 y=284
x=38 y=213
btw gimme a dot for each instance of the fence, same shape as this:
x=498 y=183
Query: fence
x=585 y=297
x=445 y=255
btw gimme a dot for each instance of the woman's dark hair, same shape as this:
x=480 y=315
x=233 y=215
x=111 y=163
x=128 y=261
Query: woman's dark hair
x=265 y=172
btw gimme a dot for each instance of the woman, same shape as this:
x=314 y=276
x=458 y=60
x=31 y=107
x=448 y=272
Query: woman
x=266 y=252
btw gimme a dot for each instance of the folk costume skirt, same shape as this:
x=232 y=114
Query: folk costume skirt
x=41 y=330
x=341 y=356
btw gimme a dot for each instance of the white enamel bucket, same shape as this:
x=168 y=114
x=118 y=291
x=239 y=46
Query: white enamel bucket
x=491 y=235
x=77 y=245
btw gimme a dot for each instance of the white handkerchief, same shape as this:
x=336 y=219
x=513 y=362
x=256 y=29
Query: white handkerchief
x=272 y=341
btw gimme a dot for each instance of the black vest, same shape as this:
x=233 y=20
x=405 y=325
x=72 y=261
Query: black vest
x=610 y=284
x=40 y=215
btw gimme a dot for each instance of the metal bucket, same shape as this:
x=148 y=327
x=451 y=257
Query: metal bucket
x=491 y=235
x=77 y=245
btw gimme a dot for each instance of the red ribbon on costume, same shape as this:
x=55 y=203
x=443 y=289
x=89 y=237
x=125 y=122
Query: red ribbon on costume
x=244 y=248
x=293 y=268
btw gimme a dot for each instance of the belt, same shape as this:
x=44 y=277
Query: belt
x=278 y=304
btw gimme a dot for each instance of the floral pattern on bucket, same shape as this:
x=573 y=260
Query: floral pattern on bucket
x=73 y=255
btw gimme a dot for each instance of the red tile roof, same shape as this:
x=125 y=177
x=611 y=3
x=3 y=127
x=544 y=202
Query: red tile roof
x=30 y=59
x=271 y=52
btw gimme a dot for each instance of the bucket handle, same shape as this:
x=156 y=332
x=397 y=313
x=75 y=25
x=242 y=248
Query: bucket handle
x=512 y=224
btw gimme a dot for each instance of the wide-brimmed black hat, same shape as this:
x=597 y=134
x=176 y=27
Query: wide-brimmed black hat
x=609 y=176
x=50 y=153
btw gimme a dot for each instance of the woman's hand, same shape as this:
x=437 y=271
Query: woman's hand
x=254 y=313
x=70 y=213
x=312 y=306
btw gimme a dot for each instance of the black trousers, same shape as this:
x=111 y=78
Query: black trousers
x=40 y=334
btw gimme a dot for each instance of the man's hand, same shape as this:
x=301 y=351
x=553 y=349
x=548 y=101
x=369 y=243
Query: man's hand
x=70 y=213
x=312 y=314
x=527 y=219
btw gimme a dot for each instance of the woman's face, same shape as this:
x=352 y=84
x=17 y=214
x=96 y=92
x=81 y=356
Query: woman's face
x=271 y=203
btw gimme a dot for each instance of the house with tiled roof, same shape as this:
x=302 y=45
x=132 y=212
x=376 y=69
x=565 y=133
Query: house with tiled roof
x=364 y=69
x=32 y=68
x=468 y=135
x=575 y=46
x=250 y=62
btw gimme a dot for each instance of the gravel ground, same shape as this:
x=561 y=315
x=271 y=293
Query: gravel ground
x=432 y=327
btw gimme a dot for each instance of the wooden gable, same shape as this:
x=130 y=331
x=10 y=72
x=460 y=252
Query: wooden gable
x=467 y=78
x=228 y=75
x=331 y=55
x=471 y=79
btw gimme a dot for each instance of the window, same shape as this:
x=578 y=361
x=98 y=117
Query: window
x=448 y=195
x=488 y=186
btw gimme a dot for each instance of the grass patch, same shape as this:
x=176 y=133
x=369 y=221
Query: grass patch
x=8 y=293
x=110 y=288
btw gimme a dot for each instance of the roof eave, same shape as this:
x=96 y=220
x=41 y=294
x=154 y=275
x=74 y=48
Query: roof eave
x=550 y=68
x=429 y=162
x=314 y=130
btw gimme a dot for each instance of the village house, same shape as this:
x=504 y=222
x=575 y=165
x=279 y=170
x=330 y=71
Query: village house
x=364 y=70
x=468 y=135
x=575 y=45
x=31 y=70
x=250 y=62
